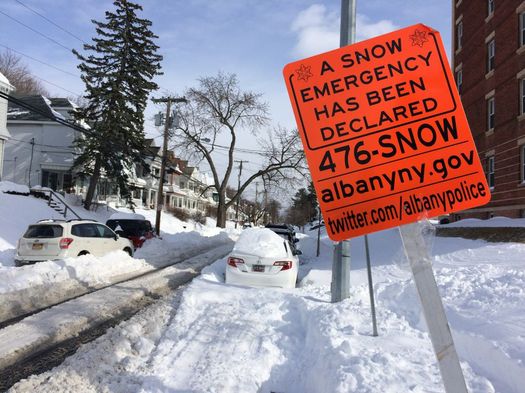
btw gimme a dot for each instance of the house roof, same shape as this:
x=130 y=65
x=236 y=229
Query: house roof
x=61 y=103
x=41 y=104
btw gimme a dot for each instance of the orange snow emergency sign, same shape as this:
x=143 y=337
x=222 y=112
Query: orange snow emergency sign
x=385 y=135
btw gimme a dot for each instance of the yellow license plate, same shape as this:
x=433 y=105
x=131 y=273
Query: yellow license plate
x=38 y=246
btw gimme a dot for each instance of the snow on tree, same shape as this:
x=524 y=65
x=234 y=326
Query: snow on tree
x=118 y=72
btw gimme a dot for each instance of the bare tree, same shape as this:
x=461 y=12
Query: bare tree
x=218 y=107
x=253 y=211
x=19 y=76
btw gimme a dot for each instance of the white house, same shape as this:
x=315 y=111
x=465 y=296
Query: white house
x=42 y=151
x=5 y=87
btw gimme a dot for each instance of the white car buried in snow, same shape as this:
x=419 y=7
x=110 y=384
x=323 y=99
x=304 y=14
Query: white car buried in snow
x=262 y=258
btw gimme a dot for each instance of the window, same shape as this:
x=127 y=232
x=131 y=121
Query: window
x=490 y=5
x=43 y=231
x=491 y=51
x=522 y=29
x=490 y=171
x=85 y=230
x=459 y=80
x=459 y=35
x=104 y=231
x=490 y=113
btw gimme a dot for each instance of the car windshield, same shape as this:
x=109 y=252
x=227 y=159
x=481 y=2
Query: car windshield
x=130 y=227
x=43 y=231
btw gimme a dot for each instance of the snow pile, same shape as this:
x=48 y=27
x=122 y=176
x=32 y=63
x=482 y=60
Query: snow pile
x=16 y=213
x=259 y=241
x=42 y=284
x=90 y=270
x=7 y=186
x=171 y=247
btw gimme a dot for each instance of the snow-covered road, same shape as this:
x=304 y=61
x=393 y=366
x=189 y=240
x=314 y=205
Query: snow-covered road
x=221 y=338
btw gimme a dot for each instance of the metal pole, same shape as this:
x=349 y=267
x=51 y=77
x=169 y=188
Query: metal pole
x=371 y=288
x=341 y=263
x=348 y=12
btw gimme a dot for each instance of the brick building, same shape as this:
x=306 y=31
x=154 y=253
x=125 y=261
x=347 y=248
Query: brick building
x=489 y=66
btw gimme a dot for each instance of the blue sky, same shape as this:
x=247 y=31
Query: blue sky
x=252 y=38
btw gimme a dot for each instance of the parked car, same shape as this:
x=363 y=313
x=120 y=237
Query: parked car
x=260 y=257
x=133 y=226
x=286 y=231
x=58 y=239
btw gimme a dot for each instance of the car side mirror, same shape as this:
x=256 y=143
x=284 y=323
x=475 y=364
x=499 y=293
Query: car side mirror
x=297 y=252
x=296 y=240
x=116 y=237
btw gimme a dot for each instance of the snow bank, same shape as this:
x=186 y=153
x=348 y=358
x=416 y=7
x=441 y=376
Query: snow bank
x=42 y=284
x=7 y=186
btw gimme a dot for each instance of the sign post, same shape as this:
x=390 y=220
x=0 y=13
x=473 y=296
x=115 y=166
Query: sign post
x=388 y=143
x=435 y=316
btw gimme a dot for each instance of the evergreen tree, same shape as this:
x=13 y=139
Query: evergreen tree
x=304 y=206
x=118 y=73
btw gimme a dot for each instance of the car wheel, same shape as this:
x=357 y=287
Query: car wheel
x=83 y=253
x=127 y=250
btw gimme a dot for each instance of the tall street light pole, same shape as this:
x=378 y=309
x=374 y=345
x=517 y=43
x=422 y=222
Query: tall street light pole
x=167 y=123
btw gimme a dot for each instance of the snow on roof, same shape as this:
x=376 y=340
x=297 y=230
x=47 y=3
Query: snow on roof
x=126 y=216
x=3 y=79
x=259 y=241
x=54 y=112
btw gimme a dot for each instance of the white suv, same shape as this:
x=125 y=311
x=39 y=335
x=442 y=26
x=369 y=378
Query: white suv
x=58 y=239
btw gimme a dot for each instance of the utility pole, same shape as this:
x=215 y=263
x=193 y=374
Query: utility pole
x=14 y=170
x=238 y=188
x=340 y=287
x=31 y=162
x=167 y=123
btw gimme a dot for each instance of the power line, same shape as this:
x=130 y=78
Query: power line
x=36 y=31
x=50 y=21
x=60 y=87
x=39 y=61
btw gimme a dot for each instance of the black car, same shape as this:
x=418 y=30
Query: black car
x=286 y=231
x=134 y=227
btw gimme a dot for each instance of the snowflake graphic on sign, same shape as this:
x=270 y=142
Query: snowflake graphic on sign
x=304 y=72
x=419 y=38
